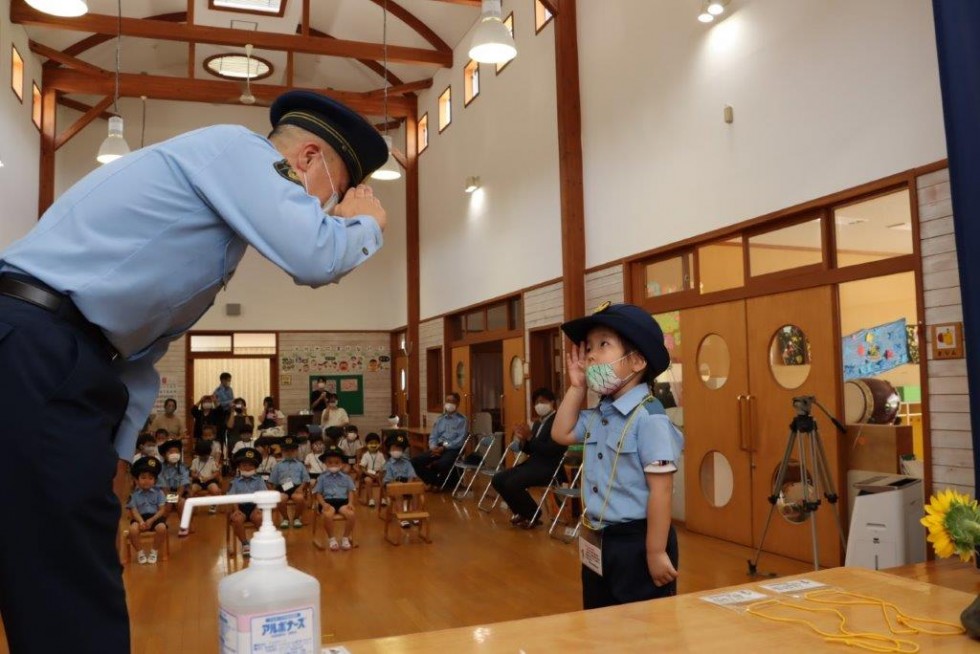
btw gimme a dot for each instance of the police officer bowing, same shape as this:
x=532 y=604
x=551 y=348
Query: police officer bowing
x=123 y=263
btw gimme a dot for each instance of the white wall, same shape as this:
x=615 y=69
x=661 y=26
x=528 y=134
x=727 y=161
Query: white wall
x=827 y=94
x=20 y=143
x=505 y=236
x=371 y=297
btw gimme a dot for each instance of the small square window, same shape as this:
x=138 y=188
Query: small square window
x=17 y=73
x=509 y=24
x=445 y=108
x=36 y=105
x=471 y=82
x=422 y=132
x=541 y=16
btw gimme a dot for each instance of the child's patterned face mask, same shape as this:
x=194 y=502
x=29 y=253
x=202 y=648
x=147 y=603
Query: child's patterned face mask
x=602 y=379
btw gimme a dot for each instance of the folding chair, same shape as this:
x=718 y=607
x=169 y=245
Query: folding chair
x=515 y=449
x=394 y=514
x=459 y=457
x=553 y=484
x=483 y=447
x=566 y=493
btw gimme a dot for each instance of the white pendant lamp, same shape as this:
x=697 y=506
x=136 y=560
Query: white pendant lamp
x=390 y=170
x=492 y=42
x=114 y=145
x=66 y=8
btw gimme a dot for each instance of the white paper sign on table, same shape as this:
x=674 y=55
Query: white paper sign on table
x=734 y=597
x=793 y=586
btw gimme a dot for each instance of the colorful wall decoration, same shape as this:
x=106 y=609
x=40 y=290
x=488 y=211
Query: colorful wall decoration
x=335 y=359
x=872 y=351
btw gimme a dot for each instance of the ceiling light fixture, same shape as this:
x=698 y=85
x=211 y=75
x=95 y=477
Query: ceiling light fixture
x=390 y=171
x=472 y=183
x=246 y=97
x=716 y=7
x=492 y=42
x=66 y=8
x=114 y=145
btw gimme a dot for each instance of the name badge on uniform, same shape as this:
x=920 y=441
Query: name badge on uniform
x=171 y=498
x=287 y=485
x=590 y=550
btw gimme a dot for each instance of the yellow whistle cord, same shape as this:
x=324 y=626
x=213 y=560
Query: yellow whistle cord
x=865 y=640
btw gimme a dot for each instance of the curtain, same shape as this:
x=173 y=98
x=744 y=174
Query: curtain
x=250 y=379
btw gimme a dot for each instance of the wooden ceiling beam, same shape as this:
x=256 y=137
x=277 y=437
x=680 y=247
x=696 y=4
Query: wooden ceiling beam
x=391 y=124
x=415 y=23
x=90 y=42
x=81 y=106
x=205 y=90
x=402 y=89
x=552 y=6
x=368 y=63
x=82 y=122
x=22 y=14
x=65 y=59
x=466 y=3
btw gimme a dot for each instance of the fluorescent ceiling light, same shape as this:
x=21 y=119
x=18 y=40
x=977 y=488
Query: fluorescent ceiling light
x=66 y=8
x=268 y=6
x=901 y=227
x=705 y=17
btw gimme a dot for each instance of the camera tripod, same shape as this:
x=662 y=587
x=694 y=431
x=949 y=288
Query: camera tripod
x=805 y=437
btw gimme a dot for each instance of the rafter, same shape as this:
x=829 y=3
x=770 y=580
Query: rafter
x=65 y=59
x=371 y=64
x=552 y=6
x=402 y=89
x=467 y=3
x=204 y=90
x=415 y=23
x=81 y=106
x=90 y=42
x=391 y=124
x=82 y=122
x=21 y=14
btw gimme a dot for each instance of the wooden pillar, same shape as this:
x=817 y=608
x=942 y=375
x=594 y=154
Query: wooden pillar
x=415 y=404
x=49 y=108
x=570 y=159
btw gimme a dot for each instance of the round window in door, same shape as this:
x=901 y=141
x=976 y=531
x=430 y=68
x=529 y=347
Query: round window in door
x=717 y=479
x=714 y=361
x=460 y=375
x=789 y=357
x=517 y=372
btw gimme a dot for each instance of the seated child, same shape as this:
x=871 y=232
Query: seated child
x=313 y=464
x=334 y=491
x=350 y=445
x=146 y=445
x=370 y=466
x=303 y=437
x=161 y=436
x=332 y=436
x=208 y=435
x=148 y=508
x=269 y=460
x=397 y=469
x=205 y=472
x=246 y=481
x=290 y=477
x=175 y=477
x=247 y=434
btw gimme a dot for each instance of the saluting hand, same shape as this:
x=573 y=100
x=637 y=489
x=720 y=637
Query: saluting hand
x=576 y=365
x=360 y=201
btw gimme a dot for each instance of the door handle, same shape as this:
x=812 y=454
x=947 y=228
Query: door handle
x=740 y=400
x=750 y=400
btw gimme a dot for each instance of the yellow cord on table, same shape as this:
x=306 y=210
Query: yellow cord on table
x=865 y=640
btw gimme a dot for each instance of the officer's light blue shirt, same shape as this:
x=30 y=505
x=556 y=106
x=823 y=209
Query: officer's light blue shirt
x=146 y=501
x=225 y=395
x=399 y=468
x=334 y=485
x=144 y=244
x=449 y=430
x=173 y=476
x=291 y=469
x=651 y=438
x=243 y=485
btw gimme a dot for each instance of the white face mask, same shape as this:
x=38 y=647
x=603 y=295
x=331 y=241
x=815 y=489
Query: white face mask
x=247 y=473
x=352 y=437
x=334 y=198
x=173 y=458
x=207 y=405
x=149 y=449
x=542 y=409
x=321 y=386
x=393 y=421
x=449 y=407
x=169 y=410
x=333 y=469
x=396 y=454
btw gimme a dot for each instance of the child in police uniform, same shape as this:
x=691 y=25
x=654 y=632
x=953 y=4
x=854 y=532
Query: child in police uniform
x=205 y=472
x=397 y=469
x=334 y=492
x=370 y=466
x=148 y=508
x=175 y=477
x=312 y=460
x=247 y=435
x=246 y=460
x=146 y=445
x=628 y=546
x=290 y=477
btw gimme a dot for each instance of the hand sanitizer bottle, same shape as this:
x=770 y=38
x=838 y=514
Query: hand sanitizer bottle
x=268 y=607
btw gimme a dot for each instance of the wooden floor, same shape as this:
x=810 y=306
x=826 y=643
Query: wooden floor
x=478 y=569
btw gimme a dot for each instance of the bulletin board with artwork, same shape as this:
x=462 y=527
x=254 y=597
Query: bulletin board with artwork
x=349 y=390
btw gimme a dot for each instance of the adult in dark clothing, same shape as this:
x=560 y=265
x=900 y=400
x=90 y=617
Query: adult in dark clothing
x=318 y=399
x=544 y=457
x=208 y=412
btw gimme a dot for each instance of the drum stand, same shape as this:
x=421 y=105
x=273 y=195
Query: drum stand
x=804 y=435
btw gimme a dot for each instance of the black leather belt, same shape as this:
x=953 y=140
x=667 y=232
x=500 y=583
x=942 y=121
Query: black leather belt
x=35 y=292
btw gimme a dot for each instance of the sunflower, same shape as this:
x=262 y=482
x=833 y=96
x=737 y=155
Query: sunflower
x=953 y=520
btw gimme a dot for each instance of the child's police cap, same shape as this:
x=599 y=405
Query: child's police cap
x=202 y=448
x=372 y=438
x=396 y=439
x=332 y=451
x=358 y=143
x=289 y=442
x=171 y=444
x=630 y=322
x=148 y=464
x=247 y=455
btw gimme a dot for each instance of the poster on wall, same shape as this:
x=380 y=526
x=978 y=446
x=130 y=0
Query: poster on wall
x=348 y=388
x=872 y=351
x=334 y=359
x=168 y=389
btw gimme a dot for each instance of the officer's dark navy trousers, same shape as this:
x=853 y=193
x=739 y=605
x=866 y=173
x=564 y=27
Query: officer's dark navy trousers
x=61 y=584
x=625 y=574
x=433 y=470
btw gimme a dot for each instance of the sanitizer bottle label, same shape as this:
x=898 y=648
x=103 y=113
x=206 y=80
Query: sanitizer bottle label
x=283 y=632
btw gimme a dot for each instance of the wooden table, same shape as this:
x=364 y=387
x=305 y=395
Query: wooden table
x=688 y=624
x=418 y=439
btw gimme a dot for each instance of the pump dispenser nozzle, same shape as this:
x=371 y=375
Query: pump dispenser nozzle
x=268 y=545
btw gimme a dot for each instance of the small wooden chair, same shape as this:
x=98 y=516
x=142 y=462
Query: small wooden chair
x=396 y=492
x=231 y=542
x=317 y=517
x=125 y=547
